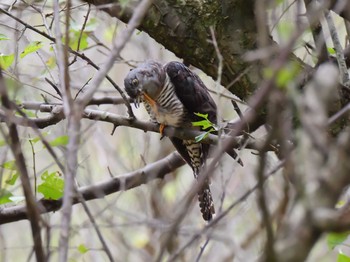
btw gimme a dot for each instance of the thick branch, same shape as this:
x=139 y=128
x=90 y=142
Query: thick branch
x=117 y=120
x=136 y=178
x=177 y=24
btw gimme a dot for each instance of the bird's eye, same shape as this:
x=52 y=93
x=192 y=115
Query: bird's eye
x=135 y=82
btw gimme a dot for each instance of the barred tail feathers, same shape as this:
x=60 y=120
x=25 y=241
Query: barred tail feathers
x=205 y=198
x=206 y=203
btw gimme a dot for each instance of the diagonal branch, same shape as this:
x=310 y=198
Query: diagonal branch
x=31 y=207
x=136 y=178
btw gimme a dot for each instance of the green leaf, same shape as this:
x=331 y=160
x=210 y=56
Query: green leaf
x=205 y=116
x=5 y=196
x=334 y=239
x=331 y=50
x=285 y=29
x=4 y=37
x=12 y=179
x=201 y=137
x=10 y=165
x=74 y=36
x=36 y=139
x=287 y=74
x=52 y=185
x=205 y=124
x=343 y=258
x=82 y=249
x=32 y=47
x=2 y=143
x=60 y=141
x=28 y=113
x=6 y=60
x=51 y=62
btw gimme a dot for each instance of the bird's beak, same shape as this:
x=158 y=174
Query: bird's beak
x=137 y=100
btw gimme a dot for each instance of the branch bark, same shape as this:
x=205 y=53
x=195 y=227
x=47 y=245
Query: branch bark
x=31 y=207
x=176 y=24
x=125 y=182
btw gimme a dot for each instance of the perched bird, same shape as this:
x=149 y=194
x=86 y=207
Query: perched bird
x=172 y=94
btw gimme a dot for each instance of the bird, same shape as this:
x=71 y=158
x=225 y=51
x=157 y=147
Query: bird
x=173 y=95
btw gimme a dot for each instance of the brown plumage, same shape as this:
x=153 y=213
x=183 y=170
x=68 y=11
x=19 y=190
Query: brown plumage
x=172 y=94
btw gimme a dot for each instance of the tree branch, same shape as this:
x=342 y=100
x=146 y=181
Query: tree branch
x=125 y=182
x=31 y=207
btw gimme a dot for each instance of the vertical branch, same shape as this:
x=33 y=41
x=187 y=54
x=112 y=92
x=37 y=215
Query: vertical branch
x=219 y=76
x=34 y=165
x=269 y=247
x=338 y=49
x=15 y=145
x=317 y=33
x=73 y=116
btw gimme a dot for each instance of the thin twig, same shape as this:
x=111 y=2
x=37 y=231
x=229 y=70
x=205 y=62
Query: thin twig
x=220 y=216
x=120 y=42
x=82 y=56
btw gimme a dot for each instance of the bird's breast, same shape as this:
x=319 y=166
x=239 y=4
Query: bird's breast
x=167 y=109
x=170 y=115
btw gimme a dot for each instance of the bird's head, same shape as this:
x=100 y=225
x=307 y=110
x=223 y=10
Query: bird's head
x=148 y=78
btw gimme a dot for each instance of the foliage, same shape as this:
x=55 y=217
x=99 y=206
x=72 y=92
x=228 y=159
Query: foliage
x=52 y=185
x=204 y=125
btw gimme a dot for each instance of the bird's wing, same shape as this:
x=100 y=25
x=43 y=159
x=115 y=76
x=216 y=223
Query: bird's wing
x=191 y=91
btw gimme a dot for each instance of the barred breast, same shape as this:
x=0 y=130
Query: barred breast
x=168 y=110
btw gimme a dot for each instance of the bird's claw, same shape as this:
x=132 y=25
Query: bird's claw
x=161 y=131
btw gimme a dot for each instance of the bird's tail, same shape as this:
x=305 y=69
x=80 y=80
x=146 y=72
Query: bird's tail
x=206 y=203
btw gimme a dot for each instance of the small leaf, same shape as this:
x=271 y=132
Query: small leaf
x=334 y=239
x=343 y=258
x=52 y=185
x=201 y=137
x=51 y=62
x=205 y=116
x=2 y=143
x=60 y=141
x=287 y=74
x=205 y=124
x=27 y=112
x=5 y=196
x=4 y=37
x=10 y=165
x=74 y=36
x=34 y=140
x=331 y=50
x=6 y=60
x=82 y=249
x=32 y=47
x=12 y=180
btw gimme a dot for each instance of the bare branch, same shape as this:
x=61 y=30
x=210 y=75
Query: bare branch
x=31 y=207
x=339 y=51
x=119 y=44
x=136 y=178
